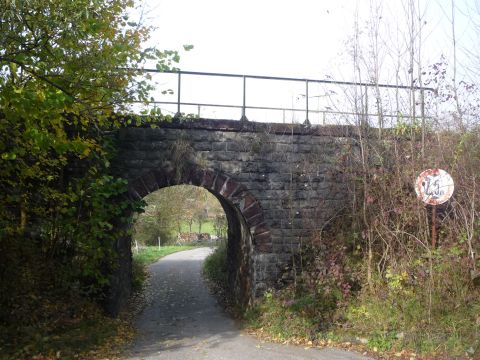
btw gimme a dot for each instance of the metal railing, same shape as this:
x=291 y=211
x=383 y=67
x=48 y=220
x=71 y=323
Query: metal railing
x=307 y=82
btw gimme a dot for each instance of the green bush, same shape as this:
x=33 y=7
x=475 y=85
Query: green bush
x=284 y=316
x=139 y=275
x=215 y=266
x=436 y=312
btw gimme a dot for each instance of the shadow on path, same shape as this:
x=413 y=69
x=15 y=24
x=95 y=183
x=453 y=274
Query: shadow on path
x=182 y=320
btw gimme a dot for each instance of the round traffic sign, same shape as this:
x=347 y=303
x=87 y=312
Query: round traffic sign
x=434 y=186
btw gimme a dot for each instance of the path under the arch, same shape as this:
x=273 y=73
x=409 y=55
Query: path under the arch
x=183 y=321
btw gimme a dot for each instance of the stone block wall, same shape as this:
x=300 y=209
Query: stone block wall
x=284 y=181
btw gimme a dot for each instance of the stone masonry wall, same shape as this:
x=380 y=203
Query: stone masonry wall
x=284 y=179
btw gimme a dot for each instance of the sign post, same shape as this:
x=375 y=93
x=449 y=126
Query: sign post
x=434 y=226
x=434 y=187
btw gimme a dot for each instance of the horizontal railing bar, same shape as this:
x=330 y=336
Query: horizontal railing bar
x=271 y=108
x=192 y=104
x=318 y=81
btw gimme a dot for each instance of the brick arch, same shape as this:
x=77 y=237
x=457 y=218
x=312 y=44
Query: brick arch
x=221 y=185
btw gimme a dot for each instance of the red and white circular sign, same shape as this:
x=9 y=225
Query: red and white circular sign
x=434 y=186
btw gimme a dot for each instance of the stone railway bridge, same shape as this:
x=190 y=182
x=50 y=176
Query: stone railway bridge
x=278 y=184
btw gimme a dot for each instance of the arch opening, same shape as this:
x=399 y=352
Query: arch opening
x=179 y=215
x=248 y=236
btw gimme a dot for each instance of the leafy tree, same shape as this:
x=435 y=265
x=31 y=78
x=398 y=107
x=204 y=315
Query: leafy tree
x=220 y=226
x=64 y=81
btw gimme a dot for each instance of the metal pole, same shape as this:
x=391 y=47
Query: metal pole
x=307 y=121
x=422 y=109
x=179 y=88
x=434 y=226
x=244 y=117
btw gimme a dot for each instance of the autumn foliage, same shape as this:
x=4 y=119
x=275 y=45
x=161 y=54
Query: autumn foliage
x=63 y=81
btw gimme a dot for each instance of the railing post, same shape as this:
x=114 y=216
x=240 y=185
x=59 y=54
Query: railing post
x=307 y=121
x=244 y=117
x=178 y=115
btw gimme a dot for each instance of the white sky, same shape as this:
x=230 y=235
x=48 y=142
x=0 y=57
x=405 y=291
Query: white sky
x=302 y=38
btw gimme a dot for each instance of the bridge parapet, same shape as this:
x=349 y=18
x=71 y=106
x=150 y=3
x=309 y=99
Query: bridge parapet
x=294 y=100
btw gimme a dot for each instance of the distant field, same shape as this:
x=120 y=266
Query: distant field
x=207 y=227
x=170 y=236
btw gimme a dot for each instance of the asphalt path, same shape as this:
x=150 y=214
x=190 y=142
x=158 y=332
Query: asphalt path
x=182 y=320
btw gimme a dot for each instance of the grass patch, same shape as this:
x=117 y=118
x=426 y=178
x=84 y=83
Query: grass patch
x=151 y=254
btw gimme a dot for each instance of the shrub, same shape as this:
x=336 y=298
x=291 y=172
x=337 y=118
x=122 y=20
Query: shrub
x=215 y=266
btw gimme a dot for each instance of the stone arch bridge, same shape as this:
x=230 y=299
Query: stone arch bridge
x=278 y=184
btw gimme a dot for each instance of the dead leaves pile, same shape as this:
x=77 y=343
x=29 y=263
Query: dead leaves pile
x=88 y=335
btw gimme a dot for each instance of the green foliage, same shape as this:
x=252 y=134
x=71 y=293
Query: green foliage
x=215 y=266
x=313 y=304
x=284 y=316
x=381 y=340
x=407 y=129
x=219 y=226
x=178 y=209
x=401 y=314
x=139 y=275
x=64 y=83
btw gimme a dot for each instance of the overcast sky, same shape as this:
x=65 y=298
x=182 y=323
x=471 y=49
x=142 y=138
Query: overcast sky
x=290 y=38
x=304 y=38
